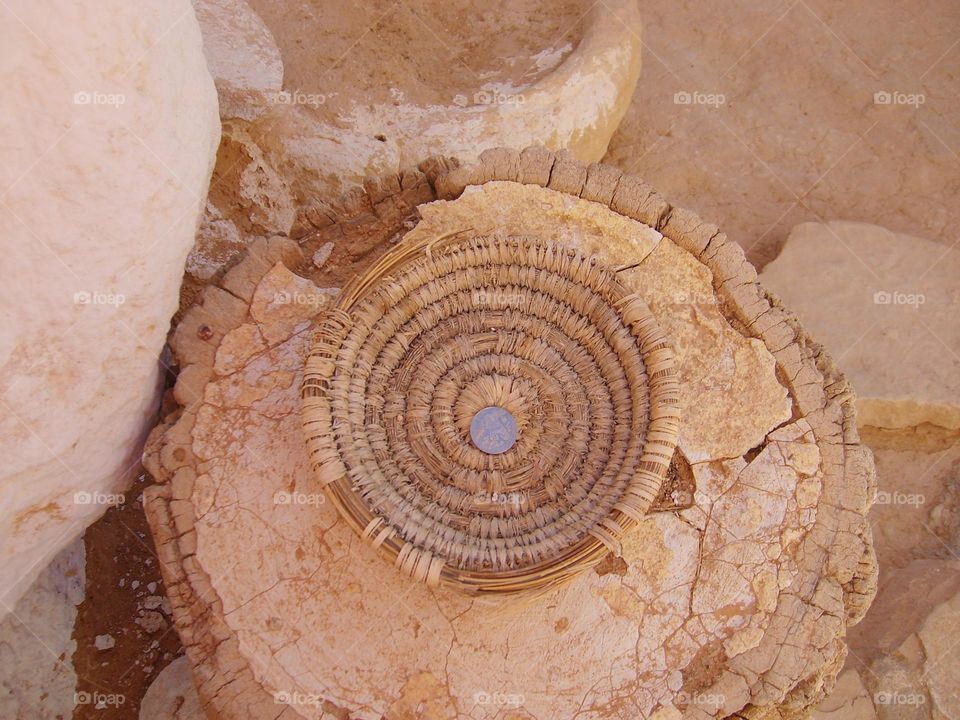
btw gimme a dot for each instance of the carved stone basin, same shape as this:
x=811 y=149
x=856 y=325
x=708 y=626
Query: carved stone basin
x=355 y=89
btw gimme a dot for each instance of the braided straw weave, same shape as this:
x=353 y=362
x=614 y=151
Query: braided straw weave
x=437 y=331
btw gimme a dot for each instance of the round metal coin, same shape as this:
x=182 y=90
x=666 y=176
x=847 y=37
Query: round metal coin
x=493 y=430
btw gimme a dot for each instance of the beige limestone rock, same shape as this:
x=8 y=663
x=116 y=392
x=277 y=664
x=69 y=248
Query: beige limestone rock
x=251 y=181
x=850 y=700
x=109 y=132
x=905 y=598
x=37 y=677
x=897 y=688
x=941 y=668
x=322 y=254
x=282 y=301
x=242 y=57
x=218 y=241
x=915 y=524
x=172 y=696
x=887 y=304
x=716 y=362
x=249 y=199
x=307 y=621
x=916 y=514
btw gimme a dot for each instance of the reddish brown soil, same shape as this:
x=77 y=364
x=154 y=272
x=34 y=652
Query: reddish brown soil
x=120 y=553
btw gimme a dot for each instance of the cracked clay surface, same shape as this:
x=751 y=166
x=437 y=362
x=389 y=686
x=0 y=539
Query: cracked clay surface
x=735 y=606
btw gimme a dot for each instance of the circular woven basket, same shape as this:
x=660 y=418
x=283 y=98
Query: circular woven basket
x=437 y=332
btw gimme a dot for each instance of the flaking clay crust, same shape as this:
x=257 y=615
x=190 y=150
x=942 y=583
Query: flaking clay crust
x=286 y=613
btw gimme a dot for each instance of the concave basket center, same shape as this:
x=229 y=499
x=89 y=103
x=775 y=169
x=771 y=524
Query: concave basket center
x=493 y=413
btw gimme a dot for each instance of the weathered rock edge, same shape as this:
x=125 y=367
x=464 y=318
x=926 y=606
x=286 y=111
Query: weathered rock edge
x=840 y=547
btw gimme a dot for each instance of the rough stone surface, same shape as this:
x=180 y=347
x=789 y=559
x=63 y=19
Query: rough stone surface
x=917 y=511
x=941 y=666
x=916 y=530
x=850 y=700
x=172 y=695
x=309 y=622
x=248 y=186
x=218 y=240
x=242 y=57
x=322 y=254
x=100 y=191
x=717 y=364
x=249 y=199
x=887 y=304
x=37 y=678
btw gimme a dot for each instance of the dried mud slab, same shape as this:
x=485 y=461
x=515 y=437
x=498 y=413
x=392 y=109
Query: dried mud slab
x=731 y=598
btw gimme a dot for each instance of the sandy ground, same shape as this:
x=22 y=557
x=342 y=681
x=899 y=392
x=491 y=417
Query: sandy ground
x=762 y=115
x=125 y=600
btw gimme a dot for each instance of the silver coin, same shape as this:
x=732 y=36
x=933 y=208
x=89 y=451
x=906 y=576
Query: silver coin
x=493 y=430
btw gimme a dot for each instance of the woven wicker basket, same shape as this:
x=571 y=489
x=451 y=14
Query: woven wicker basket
x=436 y=332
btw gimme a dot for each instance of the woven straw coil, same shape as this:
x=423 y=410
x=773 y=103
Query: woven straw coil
x=437 y=331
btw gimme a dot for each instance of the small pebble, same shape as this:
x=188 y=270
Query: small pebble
x=104 y=642
x=153 y=601
x=151 y=621
x=322 y=254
